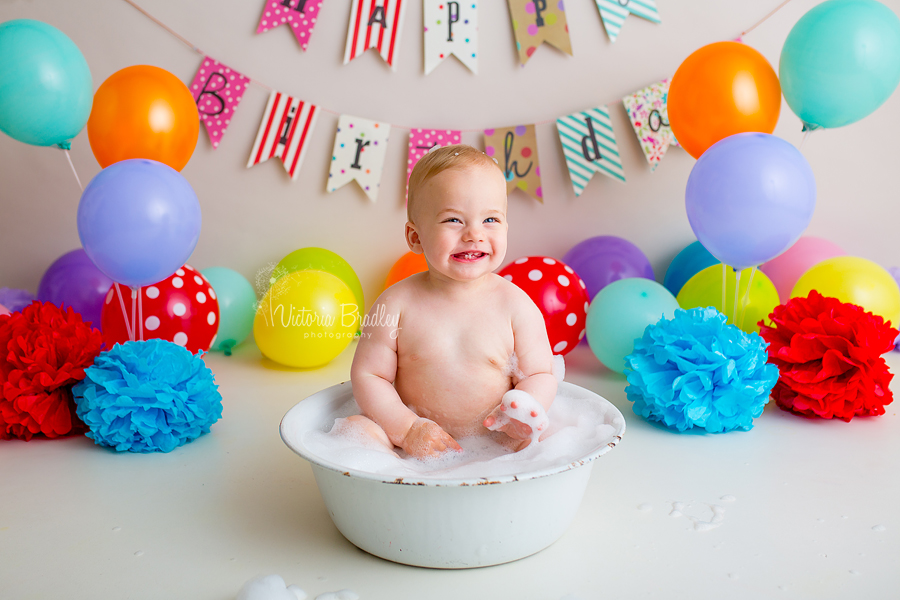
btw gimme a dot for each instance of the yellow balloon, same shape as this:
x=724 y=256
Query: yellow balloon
x=306 y=319
x=705 y=289
x=854 y=280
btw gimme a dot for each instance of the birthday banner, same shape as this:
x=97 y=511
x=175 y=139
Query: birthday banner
x=284 y=132
x=538 y=21
x=423 y=141
x=650 y=120
x=301 y=15
x=589 y=146
x=515 y=150
x=374 y=24
x=218 y=91
x=451 y=28
x=360 y=146
x=614 y=13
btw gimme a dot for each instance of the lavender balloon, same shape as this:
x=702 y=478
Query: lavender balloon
x=606 y=258
x=749 y=197
x=73 y=280
x=15 y=299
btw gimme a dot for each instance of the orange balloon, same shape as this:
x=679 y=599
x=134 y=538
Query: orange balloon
x=409 y=264
x=143 y=112
x=720 y=90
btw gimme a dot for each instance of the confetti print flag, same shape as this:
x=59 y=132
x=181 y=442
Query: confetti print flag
x=451 y=28
x=285 y=131
x=301 y=15
x=650 y=119
x=539 y=21
x=374 y=24
x=589 y=146
x=217 y=90
x=515 y=150
x=614 y=13
x=359 y=150
x=421 y=141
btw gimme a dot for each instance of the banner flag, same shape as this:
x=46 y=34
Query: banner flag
x=359 y=150
x=218 y=91
x=538 y=21
x=614 y=13
x=284 y=132
x=515 y=150
x=300 y=14
x=650 y=120
x=589 y=146
x=374 y=24
x=451 y=28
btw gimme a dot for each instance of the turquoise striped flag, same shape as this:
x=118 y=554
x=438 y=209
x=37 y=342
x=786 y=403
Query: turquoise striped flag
x=589 y=145
x=614 y=13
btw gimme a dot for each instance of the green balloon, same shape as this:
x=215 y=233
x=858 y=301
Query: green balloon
x=705 y=289
x=46 y=90
x=320 y=259
x=619 y=314
x=237 y=307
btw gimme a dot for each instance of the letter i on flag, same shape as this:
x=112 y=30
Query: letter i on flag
x=451 y=28
x=374 y=24
x=614 y=13
x=539 y=21
x=589 y=146
x=301 y=15
x=515 y=151
x=218 y=91
x=422 y=141
x=359 y=150
x=284 y=132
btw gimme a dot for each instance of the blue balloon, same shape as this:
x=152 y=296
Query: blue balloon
x=687 y=263
x=749 y=197
x=46 y=90
x=237 y=307
x=840 y=62
x=139 y=221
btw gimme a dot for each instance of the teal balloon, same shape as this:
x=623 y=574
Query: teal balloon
x=687 y=263
x=46 y=90
x=620 y=312
x=840 y=62
x=237 y=307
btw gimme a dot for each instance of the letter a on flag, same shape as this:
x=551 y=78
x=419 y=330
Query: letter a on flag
x=284 y=132
x=374 y=24
x=589 y=146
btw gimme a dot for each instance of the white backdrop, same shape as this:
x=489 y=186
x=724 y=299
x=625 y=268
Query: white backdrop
x=254 y=217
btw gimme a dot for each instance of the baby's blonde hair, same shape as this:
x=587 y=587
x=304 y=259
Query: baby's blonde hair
x=439 y=160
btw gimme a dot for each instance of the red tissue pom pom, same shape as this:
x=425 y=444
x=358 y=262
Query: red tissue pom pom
x=44 y=351
x=829 y=356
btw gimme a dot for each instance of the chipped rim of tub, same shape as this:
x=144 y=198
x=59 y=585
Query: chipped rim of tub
x=346 y=391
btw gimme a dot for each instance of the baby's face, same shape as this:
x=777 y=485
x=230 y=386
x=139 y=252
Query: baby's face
x=460 y=222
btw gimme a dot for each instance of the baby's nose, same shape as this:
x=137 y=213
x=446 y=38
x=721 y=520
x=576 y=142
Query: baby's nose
x=474 y=233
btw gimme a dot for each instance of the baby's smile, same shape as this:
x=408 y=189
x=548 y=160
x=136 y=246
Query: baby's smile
x=468 y=256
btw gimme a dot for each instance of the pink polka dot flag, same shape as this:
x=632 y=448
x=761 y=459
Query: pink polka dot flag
x=301 y=15
x=423 y=140
x=218 y=90
x=539 y=21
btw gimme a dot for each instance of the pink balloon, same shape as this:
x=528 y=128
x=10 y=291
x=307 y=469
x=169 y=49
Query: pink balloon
x=3 y=310
x=785 y=269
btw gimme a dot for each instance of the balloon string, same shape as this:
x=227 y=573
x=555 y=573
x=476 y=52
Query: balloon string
x=806 y=135
x=724 y=287
x=758 y=23
x=124 y=312
x=133 y=315
x=737 y=287
x=746 y=298
x=140 y=321
x=78 y=179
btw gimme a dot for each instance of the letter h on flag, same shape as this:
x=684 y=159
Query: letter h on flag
x=374 y=24
x=284 y=132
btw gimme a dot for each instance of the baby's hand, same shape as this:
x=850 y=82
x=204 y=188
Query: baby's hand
x=426 y=438
x=519 y=416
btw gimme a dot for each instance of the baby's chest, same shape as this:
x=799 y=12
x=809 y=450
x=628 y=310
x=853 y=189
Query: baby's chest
x=455 y=335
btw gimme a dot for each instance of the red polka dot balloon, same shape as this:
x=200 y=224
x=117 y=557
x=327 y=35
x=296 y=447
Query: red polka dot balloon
x=182 y=309
x=560 y=294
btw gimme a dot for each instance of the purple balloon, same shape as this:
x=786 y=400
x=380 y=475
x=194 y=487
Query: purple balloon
x=14 y=299
x=73 y=280
x=606 y=258
x=139 y=221
x=749 y=197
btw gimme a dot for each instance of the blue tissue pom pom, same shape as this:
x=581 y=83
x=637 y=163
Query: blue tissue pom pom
x=147 y=396
x=695 y=370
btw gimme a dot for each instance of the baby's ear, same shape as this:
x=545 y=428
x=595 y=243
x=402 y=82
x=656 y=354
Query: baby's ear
x=412 y=238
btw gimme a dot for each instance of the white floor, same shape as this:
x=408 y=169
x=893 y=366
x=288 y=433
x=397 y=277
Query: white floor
x=811 y=510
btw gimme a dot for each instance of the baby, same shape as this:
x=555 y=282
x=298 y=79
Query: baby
x=443 y=371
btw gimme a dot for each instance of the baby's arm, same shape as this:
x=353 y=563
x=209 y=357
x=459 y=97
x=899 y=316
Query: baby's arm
x=535 y=366
x=372 y=377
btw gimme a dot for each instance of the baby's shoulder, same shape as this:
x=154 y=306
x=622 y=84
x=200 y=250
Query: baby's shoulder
x=399 y=294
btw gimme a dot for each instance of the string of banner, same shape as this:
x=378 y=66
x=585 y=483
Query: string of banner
x=587 y=137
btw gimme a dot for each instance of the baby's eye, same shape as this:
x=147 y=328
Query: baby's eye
x=452 y=220
x=492 y=220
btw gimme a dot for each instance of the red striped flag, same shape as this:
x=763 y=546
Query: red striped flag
x=284 y=132
x=374 y=24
